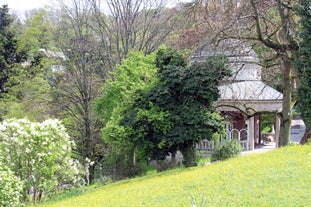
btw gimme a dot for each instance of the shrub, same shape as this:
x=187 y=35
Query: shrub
x=166 y=164
x=121 y=166
x=227 y=150
x=38 y=153
x=10 y=188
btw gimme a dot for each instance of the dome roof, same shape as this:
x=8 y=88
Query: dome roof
x=243 y=91
x=249 y=90
x=242 y=59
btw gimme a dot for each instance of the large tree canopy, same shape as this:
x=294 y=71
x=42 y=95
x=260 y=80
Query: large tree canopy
x=137 y=73
x=172 y=114
x=185 y=94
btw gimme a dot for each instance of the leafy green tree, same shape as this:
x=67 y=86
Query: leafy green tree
x=183 y=98
x=37 y=34
x=172 y=112
x=137 y=73
x=29 y=93
x=303 y=64
x=39 y=154
x=8 y=47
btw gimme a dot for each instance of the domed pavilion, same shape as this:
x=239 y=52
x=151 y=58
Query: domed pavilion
x=244 y=97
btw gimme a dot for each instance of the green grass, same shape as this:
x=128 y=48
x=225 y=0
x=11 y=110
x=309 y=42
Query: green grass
x=277 y=178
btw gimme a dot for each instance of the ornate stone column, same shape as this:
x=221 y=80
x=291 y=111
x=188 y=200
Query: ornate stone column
x=251 y=133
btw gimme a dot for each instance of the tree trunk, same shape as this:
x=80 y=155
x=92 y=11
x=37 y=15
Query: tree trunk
x=306 y=136
x=189 y=154
x=134 y=156
x=92 y=173
x=286 y=115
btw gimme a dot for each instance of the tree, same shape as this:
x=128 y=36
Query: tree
x=186 y=94
x=137 y=73
x=28 y=84
x=303 y=64
x=170 y=113
x=29 y=98
x=37 y=35
x=139 y=25
x=80 y=80
x=39 y=154
x=7 y=48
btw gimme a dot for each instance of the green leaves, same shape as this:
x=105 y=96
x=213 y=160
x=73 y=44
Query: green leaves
x=38 y=153
x=169 y=57
x=135 y=74
x=303 y=62
x=166 y=113
x=8 y=45
x=187 y=95
x=10 y=187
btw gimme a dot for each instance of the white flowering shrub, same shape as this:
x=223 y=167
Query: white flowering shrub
x=10 y=188
x=39 y=154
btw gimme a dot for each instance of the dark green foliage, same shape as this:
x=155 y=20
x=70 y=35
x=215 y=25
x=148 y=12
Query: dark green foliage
x=189 y=153
x=8 y=47
x=169 y=56
x=267 y=120
x=186 y=95
x=170 y=112
x=149 y=128
x=227 y=150
x=303 y=62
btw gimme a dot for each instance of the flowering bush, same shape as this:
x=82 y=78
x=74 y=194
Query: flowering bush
x=10 y=187
x=39 y=154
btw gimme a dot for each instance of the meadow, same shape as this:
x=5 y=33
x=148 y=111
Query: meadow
x=280 y=177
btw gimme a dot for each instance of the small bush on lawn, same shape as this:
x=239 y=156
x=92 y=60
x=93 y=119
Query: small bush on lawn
x=228 y=150
x=10 y=188
x=163 y=165
x=121 y=166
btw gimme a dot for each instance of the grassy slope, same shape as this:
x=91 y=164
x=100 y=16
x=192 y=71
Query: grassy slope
x=278 y=178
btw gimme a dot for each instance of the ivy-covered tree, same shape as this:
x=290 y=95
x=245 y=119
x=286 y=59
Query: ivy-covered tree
x=184 y=97
x=8 y=46
x=160 y=115
x=303 y=64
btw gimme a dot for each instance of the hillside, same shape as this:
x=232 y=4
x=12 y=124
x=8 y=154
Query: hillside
x=280 y=177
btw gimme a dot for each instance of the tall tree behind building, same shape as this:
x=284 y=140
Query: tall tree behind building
x=271 y=25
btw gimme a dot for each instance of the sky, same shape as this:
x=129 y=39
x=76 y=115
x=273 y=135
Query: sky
x=20 y=6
